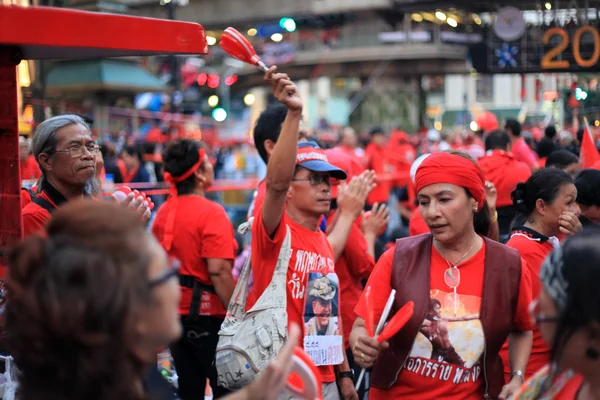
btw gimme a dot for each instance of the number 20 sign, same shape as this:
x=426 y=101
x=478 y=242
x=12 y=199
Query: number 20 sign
x=550 y=59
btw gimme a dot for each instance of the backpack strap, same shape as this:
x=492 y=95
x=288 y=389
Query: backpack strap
x=45 y=204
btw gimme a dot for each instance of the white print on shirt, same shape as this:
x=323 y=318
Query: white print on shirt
x=307 y=262
x=443 y=371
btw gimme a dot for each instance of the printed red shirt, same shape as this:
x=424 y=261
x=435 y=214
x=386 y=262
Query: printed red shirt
x=312 y=287
x=202 y=231
x=445 y=361
x=534 y=248
x=352 y=267
x=383 y=166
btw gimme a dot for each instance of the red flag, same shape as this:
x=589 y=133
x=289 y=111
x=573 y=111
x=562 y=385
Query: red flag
x=589 y=153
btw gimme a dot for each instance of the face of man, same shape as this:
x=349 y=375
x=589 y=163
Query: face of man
x=322 y=309
x=74 y=161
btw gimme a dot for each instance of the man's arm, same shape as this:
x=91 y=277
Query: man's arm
x=280 y=169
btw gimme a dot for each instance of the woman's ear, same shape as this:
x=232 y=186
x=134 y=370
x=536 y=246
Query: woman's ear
x=540 y=206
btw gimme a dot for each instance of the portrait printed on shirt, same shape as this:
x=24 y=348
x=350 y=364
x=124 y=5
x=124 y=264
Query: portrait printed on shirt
x=450 y=339
x=323 y=336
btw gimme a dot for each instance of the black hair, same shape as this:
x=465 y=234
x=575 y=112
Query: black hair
x=580 y=257
x=545 y=147
x=376 y=131
x=588 y=187
x=268 y=127
x=561 y=159
x=137 y=151
x=550 y=131
x=179 y=157
x=544 y=184
x=497 y=140
x=514 y=126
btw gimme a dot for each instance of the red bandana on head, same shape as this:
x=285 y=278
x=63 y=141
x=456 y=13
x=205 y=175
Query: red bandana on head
x=442 y=167
x=173 y=181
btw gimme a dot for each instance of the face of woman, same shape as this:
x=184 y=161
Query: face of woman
x=565 y=201
x=208 y=173
x=160 y=321
x=447 y=211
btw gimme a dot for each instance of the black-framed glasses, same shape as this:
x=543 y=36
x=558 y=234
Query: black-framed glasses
x=315 y=180
x=538 y=317
x=77 y=150
x=169 y=273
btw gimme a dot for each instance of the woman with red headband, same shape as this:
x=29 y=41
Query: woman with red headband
x=198 y=233
x=469 y=294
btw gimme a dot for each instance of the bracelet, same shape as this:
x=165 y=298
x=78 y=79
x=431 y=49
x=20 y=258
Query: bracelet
x=519 y=374
x=494 y=219
x=345 y=374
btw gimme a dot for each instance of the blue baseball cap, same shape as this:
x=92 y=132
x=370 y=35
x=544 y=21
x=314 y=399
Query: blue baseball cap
x=313 y=158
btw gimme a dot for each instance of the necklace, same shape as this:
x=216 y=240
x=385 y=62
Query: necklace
x=452 y=279
x=453 y=265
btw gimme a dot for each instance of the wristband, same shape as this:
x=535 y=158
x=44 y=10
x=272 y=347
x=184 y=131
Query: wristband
x=345 y=374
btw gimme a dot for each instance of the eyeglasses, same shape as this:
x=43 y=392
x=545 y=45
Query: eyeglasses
x=538 y=317
x=78 y=150
x=169 y=273
x=452 y=279
x=315 y=180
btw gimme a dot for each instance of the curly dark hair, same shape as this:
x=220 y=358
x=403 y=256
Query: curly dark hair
x=74 y=298
x=180 y=156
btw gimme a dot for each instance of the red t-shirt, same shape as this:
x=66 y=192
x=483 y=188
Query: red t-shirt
x=534 y=248
x=353 y=266
x=311 y=274
x=202 y=230
x=383 y=166
x=416 y=224
x=445 y=360
x=30 y=169
x=35 y=216
x=504 y=172
x=523 y=153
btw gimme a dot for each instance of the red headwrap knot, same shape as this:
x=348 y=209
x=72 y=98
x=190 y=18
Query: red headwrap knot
x=442 y=167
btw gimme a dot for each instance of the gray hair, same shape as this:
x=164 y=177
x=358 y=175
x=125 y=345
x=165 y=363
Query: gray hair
x=44 y=139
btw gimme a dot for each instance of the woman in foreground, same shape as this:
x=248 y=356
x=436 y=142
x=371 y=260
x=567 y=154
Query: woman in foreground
x=91 y=304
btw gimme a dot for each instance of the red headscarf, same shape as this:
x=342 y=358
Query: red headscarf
x=174 y=180
x=442 y=167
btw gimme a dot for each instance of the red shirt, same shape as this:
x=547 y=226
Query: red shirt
x=523 y=153
x=445 y=360
x=416 y=224
x=504 y=172
x=311 y=260
x=30 y=169
x=35 y=216
x=534 y=248
x=379 y=162
x=352 y=267
x=202 y=231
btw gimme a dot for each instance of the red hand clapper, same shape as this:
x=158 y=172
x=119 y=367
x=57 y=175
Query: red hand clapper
x=305 y=379
x=369 y=318
x=397 y=322
x=238 y=47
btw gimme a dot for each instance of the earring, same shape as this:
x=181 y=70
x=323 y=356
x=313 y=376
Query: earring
x=592 y=353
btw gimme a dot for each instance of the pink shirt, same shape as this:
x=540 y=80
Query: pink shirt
x=523 y=153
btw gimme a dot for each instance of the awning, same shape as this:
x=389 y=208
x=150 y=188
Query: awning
x=103 y=74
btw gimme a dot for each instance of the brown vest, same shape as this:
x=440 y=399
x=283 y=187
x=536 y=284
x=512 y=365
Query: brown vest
x=411 y=280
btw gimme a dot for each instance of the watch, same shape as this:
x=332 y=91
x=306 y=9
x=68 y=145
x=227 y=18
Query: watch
x=518 y=373
x=345 y=374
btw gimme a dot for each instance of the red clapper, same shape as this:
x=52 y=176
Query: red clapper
x=238 y=47
x=304 y=381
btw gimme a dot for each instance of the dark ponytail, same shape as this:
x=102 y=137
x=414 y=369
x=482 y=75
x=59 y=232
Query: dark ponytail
x=179 y=157
x=544 y=184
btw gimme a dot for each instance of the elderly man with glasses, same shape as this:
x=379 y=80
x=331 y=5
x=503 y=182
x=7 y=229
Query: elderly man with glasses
x=66 y=153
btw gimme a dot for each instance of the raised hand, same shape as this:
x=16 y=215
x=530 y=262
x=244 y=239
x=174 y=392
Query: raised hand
x=284 y=89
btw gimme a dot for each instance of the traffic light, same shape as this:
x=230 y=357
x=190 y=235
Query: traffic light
x=219 y=114
x=288 y=24
x=580 y=94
